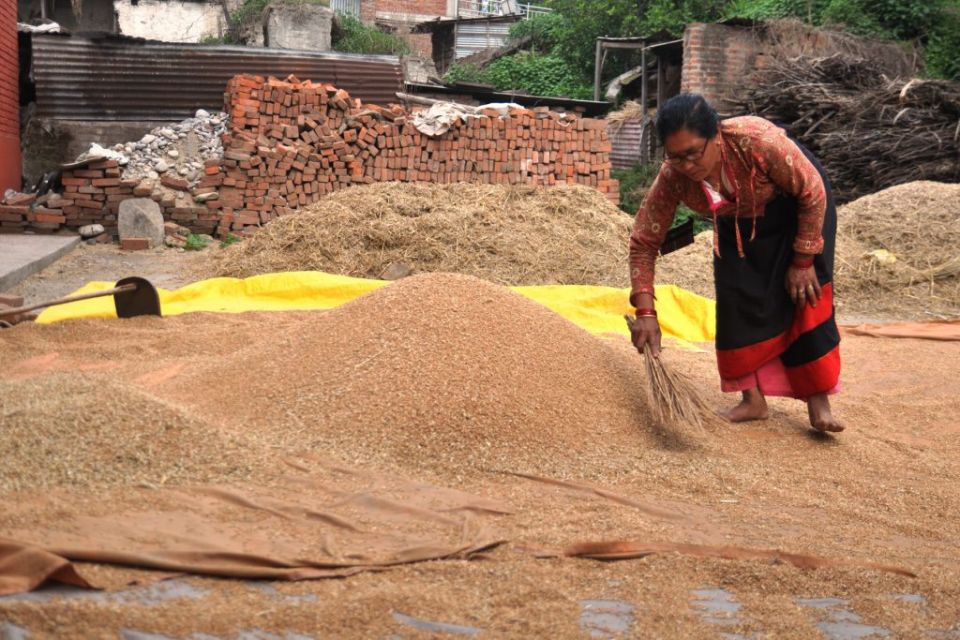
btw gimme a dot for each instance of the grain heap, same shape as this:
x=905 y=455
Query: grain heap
x=69 y=430
x=508 y=235
x=435 y=372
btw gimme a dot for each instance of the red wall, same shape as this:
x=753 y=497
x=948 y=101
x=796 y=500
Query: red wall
x=9 y=98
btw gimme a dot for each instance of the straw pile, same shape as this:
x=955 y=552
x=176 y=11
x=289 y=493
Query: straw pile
x=690 y=267
x=918 y=226
x=437 y=371
x=507 y=235
x=72 y=430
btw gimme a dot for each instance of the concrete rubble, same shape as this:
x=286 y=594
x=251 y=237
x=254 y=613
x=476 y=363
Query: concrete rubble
x=176 y=150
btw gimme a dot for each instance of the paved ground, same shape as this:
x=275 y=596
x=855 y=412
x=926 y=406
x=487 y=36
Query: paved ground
x=164 y=267
x=24 y=255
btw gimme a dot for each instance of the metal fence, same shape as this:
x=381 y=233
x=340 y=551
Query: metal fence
x=489 y=8
x=351 y=7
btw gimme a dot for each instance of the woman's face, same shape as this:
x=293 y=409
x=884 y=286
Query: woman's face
x=690 y=154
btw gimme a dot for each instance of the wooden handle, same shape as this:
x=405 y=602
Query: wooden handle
x=81 y=296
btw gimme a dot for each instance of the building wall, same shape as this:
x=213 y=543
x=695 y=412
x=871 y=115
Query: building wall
x=401 y=16
x=9 y=99
x=95 y=15
x=717 y=59
x=413 y=7
x=170 y=20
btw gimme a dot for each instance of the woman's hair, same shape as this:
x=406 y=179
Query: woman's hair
x=687 y=111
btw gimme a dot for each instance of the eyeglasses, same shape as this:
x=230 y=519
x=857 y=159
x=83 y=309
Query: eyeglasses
x=690 y=156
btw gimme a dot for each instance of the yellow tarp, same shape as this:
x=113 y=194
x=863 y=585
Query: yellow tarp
x=683 y=315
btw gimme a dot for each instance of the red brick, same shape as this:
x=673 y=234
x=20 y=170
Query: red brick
x=134 y=244
x=104 y=164
x=106 y=182
x=46 y=217
x=21 y=199
x=175 y=183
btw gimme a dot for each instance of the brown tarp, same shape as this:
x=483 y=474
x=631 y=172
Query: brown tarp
x=938 y=330
x=626 y=550
x=24 y=568
x=307 y=525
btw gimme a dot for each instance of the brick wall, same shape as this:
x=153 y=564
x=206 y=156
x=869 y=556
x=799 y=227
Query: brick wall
x=716 y=60
x=292 y=143
x=415 y=7
x=9 y=99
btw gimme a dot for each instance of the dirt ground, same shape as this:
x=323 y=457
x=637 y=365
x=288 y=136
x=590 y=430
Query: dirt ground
x=873 y=508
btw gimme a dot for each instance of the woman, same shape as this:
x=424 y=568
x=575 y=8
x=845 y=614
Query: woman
x=774 y=230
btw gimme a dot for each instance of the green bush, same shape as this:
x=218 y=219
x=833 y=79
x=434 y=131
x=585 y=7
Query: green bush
x=465 y=73
x=195 y=242
x=352 y=36
x=541 y=75
x=634 y=183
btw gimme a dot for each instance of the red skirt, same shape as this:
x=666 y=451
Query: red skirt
x=757 y=322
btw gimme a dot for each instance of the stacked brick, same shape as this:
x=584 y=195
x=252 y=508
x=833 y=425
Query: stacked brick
x=93 y=193
x=291 y=142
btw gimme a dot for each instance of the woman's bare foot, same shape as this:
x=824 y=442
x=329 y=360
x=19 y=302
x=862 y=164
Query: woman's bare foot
x=753 y=406
x=821 y=418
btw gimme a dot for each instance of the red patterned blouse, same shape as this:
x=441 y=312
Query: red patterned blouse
x=758 y=162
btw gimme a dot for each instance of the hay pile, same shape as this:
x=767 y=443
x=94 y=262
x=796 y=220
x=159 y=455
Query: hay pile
x=75 y=430
x=918 y=224
x=690 y=267
x=508 y=235
x=436 y=372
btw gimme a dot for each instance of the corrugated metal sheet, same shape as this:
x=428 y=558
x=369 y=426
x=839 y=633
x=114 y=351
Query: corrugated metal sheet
x=631 y=143
x=122 y=79
x=479 y=36
x=346 y=6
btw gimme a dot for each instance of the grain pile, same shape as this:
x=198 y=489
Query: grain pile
x=507 y=235
x=438 y=371
x=918 y=224
x=75 y=430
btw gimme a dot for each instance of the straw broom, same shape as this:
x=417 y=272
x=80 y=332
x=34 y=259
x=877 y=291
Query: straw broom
x=673 y=398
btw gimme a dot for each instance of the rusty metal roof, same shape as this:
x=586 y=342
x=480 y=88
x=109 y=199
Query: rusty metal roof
x=117 y=78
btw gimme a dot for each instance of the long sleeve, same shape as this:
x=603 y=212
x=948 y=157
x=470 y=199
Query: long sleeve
x=792 y=172
x=650 y=228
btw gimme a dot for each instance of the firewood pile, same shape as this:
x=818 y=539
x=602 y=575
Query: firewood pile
x=869 y=131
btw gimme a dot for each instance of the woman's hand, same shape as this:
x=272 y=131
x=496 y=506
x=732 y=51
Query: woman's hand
x=802 y=285
x=645 y=330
